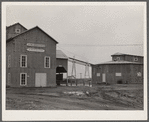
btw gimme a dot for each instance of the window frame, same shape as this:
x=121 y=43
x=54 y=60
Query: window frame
x=25 y=61
x=46 y=62
x=21 y=79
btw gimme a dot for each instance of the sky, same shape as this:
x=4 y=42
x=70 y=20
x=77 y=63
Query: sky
x=91 y=33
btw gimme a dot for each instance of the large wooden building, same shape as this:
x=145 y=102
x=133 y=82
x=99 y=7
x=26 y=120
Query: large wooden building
x=30 y=57
x=123 y=68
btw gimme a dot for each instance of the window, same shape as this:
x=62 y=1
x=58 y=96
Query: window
x=23 y=62
x=135 y=59
x=98 y=74
x=23 y=79
x=118 y=74
x=114 y=59
x=47 y=62
x=118 y=58
x=9 y=61
x=18 y=31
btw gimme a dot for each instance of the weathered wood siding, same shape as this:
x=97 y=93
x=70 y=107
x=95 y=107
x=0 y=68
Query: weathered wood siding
x=128 y=73
x=10 y=32
x=35 y=60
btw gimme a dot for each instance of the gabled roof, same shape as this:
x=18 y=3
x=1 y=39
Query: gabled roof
x=60 y=54
x=118 y=54
x=16 y=24
x=120 y=62
x=28 y=31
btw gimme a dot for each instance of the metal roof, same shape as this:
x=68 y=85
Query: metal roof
x=60 y=54
x=118 y=54
x=120 y=62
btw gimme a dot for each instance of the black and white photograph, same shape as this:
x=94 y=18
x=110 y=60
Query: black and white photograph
x=74 y=61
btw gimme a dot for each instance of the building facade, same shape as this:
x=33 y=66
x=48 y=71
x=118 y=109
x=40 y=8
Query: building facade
x=30 y=57
x=123 y=68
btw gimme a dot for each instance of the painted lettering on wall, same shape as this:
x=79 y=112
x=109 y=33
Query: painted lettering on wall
x=35 y=45
x=35 y=50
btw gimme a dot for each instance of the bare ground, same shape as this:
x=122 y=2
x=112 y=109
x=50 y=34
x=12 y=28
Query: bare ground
x=100 y=97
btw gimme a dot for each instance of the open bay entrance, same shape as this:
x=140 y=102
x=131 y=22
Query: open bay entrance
x=59 y=74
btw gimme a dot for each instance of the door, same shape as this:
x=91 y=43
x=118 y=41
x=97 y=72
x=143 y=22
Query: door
x=103 y=77
x=40 y=80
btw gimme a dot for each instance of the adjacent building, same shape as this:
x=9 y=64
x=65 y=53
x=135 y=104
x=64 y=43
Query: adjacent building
x=124 y=68
x=30 y=57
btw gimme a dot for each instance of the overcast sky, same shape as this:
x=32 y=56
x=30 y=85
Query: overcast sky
x=90 y=32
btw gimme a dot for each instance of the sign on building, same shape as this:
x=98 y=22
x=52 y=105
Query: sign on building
x=35 y=45
x=35 y=50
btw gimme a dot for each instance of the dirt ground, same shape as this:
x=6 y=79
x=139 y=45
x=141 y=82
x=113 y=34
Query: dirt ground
x=100 y=97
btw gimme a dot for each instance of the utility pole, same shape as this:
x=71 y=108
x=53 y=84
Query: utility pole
x=87 y=72
x=73 y=70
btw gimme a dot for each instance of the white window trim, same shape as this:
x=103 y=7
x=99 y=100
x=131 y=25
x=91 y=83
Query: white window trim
x=21 y=61
x=45 y=61
x=25 y=79
x=9 y=60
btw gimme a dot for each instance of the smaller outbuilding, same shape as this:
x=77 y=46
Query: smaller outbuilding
x=123 y=69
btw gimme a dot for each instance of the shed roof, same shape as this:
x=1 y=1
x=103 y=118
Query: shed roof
x=118 y=54
x=28 y=31
x=120 y=62
x=60 y=54
x=16 y=24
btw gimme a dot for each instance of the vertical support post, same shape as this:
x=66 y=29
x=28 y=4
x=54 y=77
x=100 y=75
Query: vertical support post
x=67 y=74
x=73 y=69
x=87 y=72
x=67 y=77
x=67 y=80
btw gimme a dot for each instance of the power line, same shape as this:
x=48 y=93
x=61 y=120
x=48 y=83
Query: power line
x=73 y=53
x=80 y=45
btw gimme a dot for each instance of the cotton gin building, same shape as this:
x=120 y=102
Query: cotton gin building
x=123 y=68
x=30 y=57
